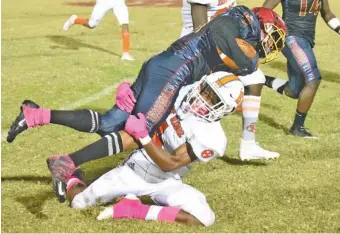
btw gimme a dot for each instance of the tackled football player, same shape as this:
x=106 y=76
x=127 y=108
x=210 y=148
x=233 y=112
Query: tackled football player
x=196 y=13
x=302 y=69
x=191 y=132
x=214 y=47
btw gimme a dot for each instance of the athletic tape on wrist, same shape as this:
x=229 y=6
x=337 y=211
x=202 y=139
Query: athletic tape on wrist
x=334 y=24
x=145 y=140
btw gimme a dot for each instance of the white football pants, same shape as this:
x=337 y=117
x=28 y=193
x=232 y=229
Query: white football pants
x=170 y=192
x=118 y=7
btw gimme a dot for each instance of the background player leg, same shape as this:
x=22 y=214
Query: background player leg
x=304 y=80
x=98 y=12
x=301 y=56
x=122 y=14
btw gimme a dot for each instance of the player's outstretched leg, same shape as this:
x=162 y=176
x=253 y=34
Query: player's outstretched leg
x=126 y=43
x=31 y=115
x=19 y=125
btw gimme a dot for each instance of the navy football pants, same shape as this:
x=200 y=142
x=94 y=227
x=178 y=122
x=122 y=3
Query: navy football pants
x=156 y=89
x=301 y=63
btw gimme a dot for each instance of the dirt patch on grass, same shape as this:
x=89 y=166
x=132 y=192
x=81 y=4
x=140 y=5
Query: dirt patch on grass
x=139 y=3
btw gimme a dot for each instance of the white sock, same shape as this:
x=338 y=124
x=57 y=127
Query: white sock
x=250 y=113
x=278 y=83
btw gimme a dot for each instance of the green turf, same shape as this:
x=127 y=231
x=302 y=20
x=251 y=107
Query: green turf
x=299 y=192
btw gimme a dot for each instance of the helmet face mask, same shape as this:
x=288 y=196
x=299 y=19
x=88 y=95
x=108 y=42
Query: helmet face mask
x=273 y=33
x=272 y=43
x=210 y=102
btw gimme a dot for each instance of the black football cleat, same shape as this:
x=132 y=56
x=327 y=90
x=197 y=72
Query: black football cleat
x=300 y=131
x=60 y=190
x=19 y=125
x=61 y=168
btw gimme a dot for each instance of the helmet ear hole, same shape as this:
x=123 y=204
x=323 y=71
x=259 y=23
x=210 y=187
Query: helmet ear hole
x=229 y=94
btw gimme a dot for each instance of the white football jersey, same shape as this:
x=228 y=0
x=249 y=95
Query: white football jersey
x=213 y=7
x=207 y=140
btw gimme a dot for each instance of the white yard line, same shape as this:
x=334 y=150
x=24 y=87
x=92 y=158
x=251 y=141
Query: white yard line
x=83 y=101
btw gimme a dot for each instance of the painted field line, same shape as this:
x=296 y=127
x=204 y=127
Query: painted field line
x=106 y=91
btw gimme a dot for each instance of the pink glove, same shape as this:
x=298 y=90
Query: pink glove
x=125 y=99
x=136 y=127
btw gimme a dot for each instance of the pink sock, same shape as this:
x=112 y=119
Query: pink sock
x=134 y=209
x=168 y=214
x=130 y=208
x=36 y=116
x=73 y=181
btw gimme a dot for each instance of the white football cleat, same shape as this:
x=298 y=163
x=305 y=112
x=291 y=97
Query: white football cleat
x=250 y=150
x=107 y=213
x=127 y=56
x=69 y=22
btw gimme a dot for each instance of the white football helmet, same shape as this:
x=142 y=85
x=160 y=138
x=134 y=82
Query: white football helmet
x=229 y=92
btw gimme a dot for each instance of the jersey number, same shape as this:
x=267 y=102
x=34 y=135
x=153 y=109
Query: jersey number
x=315 y=8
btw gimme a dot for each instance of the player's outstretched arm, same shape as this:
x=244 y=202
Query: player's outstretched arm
x=329 y=17
x=271 y=4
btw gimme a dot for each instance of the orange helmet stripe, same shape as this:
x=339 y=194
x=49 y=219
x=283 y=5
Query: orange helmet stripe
x=226 y=79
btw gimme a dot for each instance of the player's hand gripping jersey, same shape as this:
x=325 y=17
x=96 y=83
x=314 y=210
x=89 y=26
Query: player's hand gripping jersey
x=194 y=123
x=207 y=140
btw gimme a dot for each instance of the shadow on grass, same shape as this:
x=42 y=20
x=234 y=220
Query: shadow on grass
x=326 y=75
x=34 y=204
x=30 y=178
x=238 y=162
x=74 y=44
x=272 y=123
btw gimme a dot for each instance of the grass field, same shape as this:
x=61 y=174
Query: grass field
x=299 y=192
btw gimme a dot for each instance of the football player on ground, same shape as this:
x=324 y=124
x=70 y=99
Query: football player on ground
x=121 y=12
x=196 y=13
x=191 y=132
x=302 y=69
x=214 y=47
